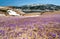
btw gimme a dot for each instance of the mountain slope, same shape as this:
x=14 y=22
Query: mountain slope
x=34 y=8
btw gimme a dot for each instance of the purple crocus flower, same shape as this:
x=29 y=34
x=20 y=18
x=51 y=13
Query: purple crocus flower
x=53 y=35
x=2 y=32
x=13 y=25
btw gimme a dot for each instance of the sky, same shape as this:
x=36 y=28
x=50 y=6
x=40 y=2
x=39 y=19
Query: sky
x=27 y=2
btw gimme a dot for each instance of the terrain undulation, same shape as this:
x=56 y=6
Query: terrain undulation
x=41 y=27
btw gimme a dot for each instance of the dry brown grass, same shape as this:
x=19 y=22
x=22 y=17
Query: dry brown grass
x=50 y=13
x=39 y=13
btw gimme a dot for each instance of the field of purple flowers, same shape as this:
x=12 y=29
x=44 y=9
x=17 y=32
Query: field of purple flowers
x=46 y=27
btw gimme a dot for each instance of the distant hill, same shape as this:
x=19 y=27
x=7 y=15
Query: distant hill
x=39 y=7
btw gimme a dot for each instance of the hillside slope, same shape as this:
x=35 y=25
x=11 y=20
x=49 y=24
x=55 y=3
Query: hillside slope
x=42 y=27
